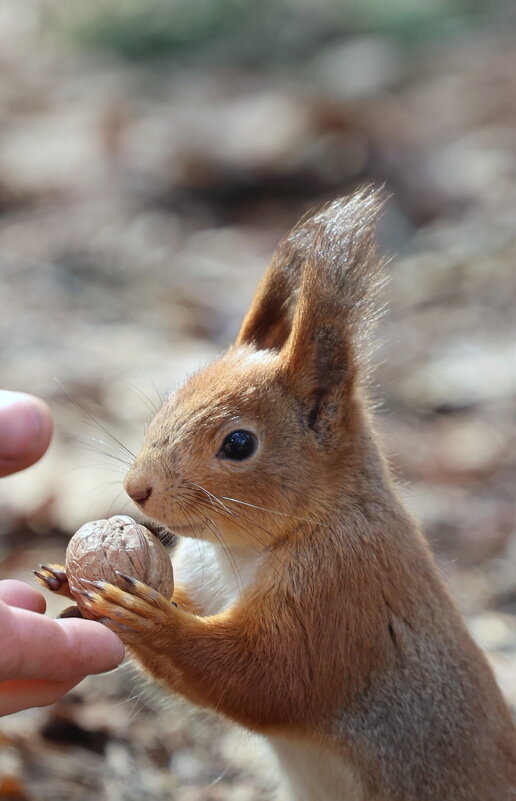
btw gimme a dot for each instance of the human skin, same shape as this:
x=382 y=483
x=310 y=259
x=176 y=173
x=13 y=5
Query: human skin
x=25 y=431
x=40 y=658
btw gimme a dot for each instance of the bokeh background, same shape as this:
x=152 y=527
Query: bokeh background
x=152 y=153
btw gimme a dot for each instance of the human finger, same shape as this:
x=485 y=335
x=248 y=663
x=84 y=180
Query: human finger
x=17 y=593
x=55 y=650
x=25 y=430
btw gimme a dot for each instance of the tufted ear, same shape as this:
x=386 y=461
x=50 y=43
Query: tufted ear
x=269 y=320
x=329 y=339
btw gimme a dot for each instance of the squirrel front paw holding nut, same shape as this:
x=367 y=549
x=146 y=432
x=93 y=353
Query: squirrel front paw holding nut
x=99 y=553
x=312 y=611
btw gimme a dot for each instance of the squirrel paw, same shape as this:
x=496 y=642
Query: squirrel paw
x=70 y=611
x=53 y=578
x=135 y=614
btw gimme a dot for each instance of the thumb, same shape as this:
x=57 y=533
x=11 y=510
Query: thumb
x=25 y=431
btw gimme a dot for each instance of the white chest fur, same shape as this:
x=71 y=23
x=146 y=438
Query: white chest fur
x=214 y=576
x=312 y=773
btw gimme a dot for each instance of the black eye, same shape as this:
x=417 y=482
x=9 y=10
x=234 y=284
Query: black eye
x=238 y=445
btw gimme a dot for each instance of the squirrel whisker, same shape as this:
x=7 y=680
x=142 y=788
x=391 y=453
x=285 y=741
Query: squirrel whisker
x=275 y=511
x=210 y=523
x=88 y=445
x=264 y=550
x=95 y=422
x=199 y=540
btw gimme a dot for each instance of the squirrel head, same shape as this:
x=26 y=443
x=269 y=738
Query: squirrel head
x=252 y=444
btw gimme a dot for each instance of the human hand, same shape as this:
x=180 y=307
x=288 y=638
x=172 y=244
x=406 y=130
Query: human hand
x=40 y=659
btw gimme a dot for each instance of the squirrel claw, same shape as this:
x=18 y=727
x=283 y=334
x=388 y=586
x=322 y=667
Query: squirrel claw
x=84 y=593
x=48 y=581
x=70 y=611
x=98 y=585
x=129 y=579
x=133 y=614
x=53 y=578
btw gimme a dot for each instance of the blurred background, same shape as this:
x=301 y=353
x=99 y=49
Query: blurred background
x=152 y=153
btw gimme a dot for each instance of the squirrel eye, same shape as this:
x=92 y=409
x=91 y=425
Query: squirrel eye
x=238 y=445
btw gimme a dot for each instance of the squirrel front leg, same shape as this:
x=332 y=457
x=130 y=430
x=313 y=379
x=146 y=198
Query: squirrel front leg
x=227 y=661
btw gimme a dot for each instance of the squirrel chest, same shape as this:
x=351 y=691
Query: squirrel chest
x=215 y=575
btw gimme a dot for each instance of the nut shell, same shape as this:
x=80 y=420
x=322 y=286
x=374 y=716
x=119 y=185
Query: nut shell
x=101 y=547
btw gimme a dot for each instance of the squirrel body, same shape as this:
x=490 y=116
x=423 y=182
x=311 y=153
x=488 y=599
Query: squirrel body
x=414 y=722
x=307 y=606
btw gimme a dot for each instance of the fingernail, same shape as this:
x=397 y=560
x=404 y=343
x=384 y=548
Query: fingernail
x=21 y=425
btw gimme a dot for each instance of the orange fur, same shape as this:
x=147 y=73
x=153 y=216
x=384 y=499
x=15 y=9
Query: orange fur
x=342 y=634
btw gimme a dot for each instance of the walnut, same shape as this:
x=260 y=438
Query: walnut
x=101 y=547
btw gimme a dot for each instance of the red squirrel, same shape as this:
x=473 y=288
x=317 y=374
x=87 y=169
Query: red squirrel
x=313 y=612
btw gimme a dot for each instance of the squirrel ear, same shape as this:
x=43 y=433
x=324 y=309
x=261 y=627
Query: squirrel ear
x=269 y=320
x=330 y=337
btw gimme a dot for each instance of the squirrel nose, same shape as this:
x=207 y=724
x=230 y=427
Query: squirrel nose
x=138 y=491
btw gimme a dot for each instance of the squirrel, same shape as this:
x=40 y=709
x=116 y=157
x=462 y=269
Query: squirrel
x=313 y=613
